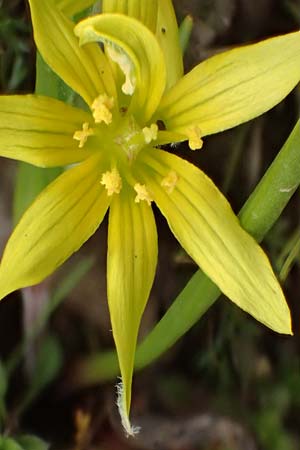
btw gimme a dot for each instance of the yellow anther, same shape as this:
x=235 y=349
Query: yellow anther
x=170 y=181
x=124 y=62
x=112 y=182
x=194 y=136
x=150 y=133
x=102 y=106
x=82 y=135
x=142 y=193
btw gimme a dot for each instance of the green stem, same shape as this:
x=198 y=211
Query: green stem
x=258 y=215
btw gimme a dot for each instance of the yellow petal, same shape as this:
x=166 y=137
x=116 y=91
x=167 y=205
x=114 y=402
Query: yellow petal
x=143 y=10
x=131 y=263
x=233 y=87
x=56 y=225
x=39 y=130
x=206 y=227
x=85 y=70
x=138 y=54
x=71 y=7
x=168 y=38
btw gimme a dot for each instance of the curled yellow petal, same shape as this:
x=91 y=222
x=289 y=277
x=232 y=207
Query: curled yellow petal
x=138 y=54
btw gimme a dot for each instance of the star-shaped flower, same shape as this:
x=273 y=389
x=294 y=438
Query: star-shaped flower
x=137 y=99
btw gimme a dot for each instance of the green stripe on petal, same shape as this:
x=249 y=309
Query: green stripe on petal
x=233 y=87
x=138 y=54
x=203 y=222
x=143 y=10
x=131 y=263
x=168 y=38
x=86 y=71
x=56 y=225
x=39 y=130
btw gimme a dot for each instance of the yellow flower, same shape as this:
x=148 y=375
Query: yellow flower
x=136 y=100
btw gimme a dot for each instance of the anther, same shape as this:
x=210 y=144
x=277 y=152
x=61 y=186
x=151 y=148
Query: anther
x=82 y=135
x=112 y=182
x=150 y=133
x=194 y=135
x=102 y=106
x=170 y=181
x=142 y=194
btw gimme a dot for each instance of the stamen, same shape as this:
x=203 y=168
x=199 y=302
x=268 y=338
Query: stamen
x=194 y=136
x=142 y=194
x=112 y=182
x=121 y=58
x=170 y=181
x=150 y=133
x=82 y=135
x=102 y=106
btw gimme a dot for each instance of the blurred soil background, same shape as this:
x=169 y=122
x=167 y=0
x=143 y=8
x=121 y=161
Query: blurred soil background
x=229 y=383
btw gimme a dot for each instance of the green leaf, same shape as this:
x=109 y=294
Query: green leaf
x=10 y=444
x=29 y=442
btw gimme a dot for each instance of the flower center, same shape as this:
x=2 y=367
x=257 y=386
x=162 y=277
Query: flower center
x=132 y=139
x=120 y=139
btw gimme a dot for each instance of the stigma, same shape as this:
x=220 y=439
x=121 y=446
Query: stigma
x=112 y=182
x=118 y=55
x=82 y=135
x=101 y=107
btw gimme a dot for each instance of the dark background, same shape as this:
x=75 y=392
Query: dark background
x=229 y=383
